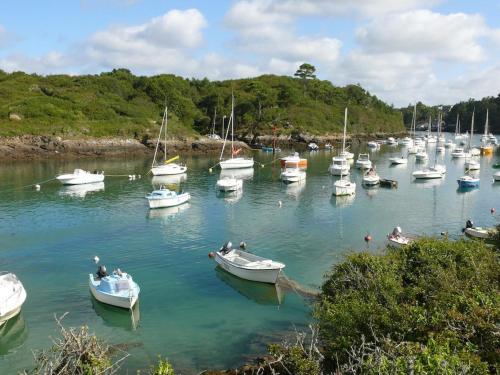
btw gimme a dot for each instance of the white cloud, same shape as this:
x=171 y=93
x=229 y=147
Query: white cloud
x=52 y=62
x=453 y=37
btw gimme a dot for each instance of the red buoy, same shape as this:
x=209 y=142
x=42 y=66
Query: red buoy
x=211 y=254
x=492 y=210
x=368 y=238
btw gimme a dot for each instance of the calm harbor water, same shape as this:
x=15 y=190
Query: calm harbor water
x=191 y=312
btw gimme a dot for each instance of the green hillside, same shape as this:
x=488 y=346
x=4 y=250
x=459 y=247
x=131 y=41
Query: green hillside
x=119 y=103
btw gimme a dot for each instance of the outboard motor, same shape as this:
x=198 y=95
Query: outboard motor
x=101 y=272
x=396 y=231
x=226 y=248
x=468 y=224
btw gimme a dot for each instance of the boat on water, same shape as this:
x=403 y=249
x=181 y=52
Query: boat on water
x=398 y=160
x=373 y=145
x=363 y=161
x=458 y=153
x=391 y=141
x=371 y=178
x=313 y=146
x=228 y=184
x=165 y=167
x=80 y=177
x=478 y=232
x=235 y=162
x=12 y=296
x=117 y=289
x=344 y=187
x=440 y=149
x=429 y=173
x=339 y=166
x=397 y=239
x=421 y=156
x=468 y=181
x=248 y=266
x=270 y=149
x=328 y=146
x=496 y=176
x=292 y=174
x=164 y=197
x=486 y=146
x=293 y=160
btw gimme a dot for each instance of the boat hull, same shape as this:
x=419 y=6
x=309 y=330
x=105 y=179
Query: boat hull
x=301 y=163
x=123 y=302
x=236 y=163
x=169 y=202
x=468 y=183
x=478 y=233
x=344 y=189
x=398 y=160
x=168 y=169
x=269 y=276
x=9 y=315
x=70 y=179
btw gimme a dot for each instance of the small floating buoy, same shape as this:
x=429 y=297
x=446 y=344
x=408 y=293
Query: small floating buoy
x=139 y=176
x=211 y=255
x=279 y=204
x=444 y=233
x=368 y=238
x=262 y=165
x=210 y=170
x=492 y=210
x=96 y=259
x=243 y=245
x=37 y=187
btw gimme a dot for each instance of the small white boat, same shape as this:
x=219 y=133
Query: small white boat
x=79 y=177
x=328 y=146
x=429 y=173
x=363 y=161
x=371 y=178
x=344 y=187
x=168 y=169
x=472 y=165
x=294 y=174
x=421 y=156
x=313 y=146
x=398 y=160
x=347 y=155
x=248 y=266
x=293 y=160
x=117 y=289
x=12 y=296
x=397 y=239
x=458 y=152
x=432 y=139
x=478 y=232
x=496 y=176
x=373 y=144
x=407 y=141
x=227 y=184
x=236 y=163
x=340 y=166
x=163 y=197
x=391 y=141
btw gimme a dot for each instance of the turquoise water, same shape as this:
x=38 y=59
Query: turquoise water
x=190 y=311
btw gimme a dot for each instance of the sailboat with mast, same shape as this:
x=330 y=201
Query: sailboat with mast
x=213 y=135
x=468 y=181
x=340 y=165
x=437 y=171
x=343 y=186
x=235 y=162
x=430 y=138
x=165 y=167
x=471 y=163
x=486 y=146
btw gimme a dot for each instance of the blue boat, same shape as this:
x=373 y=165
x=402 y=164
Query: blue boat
x=270 y=149
x=468 y=182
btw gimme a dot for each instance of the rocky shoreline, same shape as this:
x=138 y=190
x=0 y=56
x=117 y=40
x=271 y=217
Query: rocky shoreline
x=30 y=147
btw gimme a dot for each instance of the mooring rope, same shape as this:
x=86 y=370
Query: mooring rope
x=30 y=185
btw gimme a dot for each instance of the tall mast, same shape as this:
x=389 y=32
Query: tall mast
x=159 y=137
x=414 y=121
x=232 y=125
x=457 y=130
x=166 y=125
x=345 y=127
x=486 y=123
x=471 y=127
x=213 y=126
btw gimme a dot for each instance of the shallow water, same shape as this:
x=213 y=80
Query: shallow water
x=194 y=314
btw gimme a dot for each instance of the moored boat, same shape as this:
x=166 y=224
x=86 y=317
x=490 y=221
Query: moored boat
x=80 y=177
x=293 y=160
x=163 y=197
x=397 y=239
x=117 y=289
x=371 y=178
x=363 y=161
x=294 y=174
x=248 y=266
x=12 y=296
x=468 y=181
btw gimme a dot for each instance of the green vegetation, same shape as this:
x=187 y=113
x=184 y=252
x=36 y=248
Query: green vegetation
x=430 y=308
x=118 y=103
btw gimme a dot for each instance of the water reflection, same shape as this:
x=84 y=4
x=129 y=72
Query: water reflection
x=80 y=191
x=170 y=179
x=230 y=196
x=113 y=316
x=262 y=293
x=342 y=200
x=243 y=173
x=13 y=334
x=429 y=183
x=165 y=213
x=295 y=189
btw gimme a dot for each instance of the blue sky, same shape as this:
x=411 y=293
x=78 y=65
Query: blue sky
x=437 y=51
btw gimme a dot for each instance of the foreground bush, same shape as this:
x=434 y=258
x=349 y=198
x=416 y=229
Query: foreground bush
x=432 y=307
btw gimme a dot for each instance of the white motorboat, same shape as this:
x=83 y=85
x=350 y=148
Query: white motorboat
x=347 y=155
x=478 y=232
x=227 y=184
x=293 y=160
x=339 y=166
x=163 y=197
x=12 y=296
x=432 y=139
x=313 y=146
x=397 y=239
x=165 y=167
x=79 y=177
x=363 y=161
x=472 y=164
x=421 y=156
x=458 y=152
x=398 y=160
x=117 y=289
x=328 y=146
x=407 y=141
x=496 y=176
x=294 y=174
x=391 y=141
x=234 y=162
x=467 y=182
x=429 y=173
x=248 y=266
x=371 y=178
x=373 y=144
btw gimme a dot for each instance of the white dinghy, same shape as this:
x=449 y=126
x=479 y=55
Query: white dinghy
x=398 y=160
x=117 y=289
x=363 y=161
x=292 y=174
x=12 y=296
x=164 y=197
x=248 y=266
x=371 y=178
x=397 y=239
x=79 y=177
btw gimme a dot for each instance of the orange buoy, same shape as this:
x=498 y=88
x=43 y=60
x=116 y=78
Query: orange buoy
x=368 y=238
x=492 y=210
x=211 y=254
